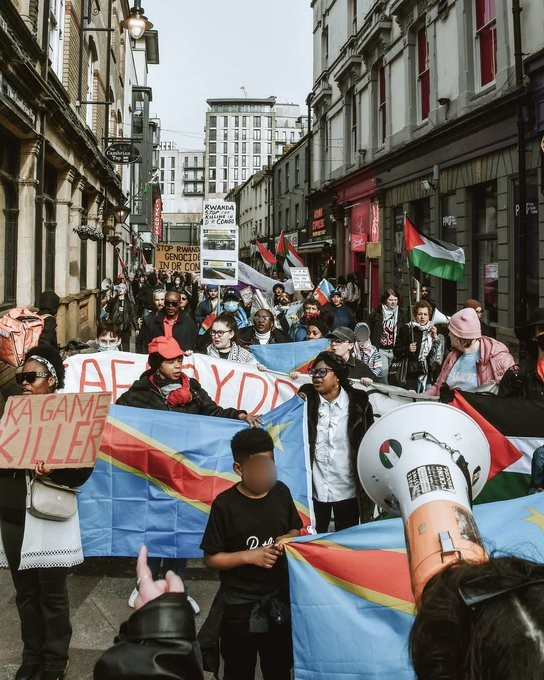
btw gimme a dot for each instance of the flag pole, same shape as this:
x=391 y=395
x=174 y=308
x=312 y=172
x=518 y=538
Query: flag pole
x=410 y=277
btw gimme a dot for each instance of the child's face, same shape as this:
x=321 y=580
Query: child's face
x=258 y=472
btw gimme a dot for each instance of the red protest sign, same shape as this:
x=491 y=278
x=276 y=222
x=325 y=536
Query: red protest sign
x=63 y=430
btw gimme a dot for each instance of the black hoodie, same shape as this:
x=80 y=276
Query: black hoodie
x=49 y=305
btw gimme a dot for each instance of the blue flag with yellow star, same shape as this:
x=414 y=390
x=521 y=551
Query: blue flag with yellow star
x=158 y=472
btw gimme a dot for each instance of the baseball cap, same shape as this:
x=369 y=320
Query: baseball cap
x=342 y=333
x=212 y=286
x=168 y=348
x=335 y=292
x=231 y=294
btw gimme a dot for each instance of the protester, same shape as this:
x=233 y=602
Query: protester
x=338 y=417
x=209 y=305
x=244 y=537
x=317 y=330
x=145 y=297
x=263 y=331
x=384 y=323
x=342 y=341
x=122 y=312
x=527 y=379
x=171 y=323
x=143 y=332
x=184 y=304
x=277 y=290
x=536 y=485
x=159 y=639
x=224 y=344
x=474 y=360
x=365 y=350
x=108 y=338
x=311 y=310
x=285 y=312
x=342 y=315
x=164 y=387
x=420 y=343
x=351 y=294
x=38 y=556
x=48 y=306
x=481 y=621
x=477 y=306
x=232 y=303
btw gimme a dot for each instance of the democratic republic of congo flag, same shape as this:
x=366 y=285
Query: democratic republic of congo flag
x=289 y=356
x=351 y=602
x=158 y=473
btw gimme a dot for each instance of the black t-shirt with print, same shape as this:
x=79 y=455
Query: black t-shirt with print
x=238 y=523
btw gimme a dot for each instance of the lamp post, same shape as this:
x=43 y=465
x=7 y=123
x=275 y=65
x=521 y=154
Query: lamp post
x=136 y=23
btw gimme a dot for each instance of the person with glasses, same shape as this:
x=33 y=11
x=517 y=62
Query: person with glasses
x=479 y=621
x=338 y=417
x=477 y=306
x=342 y=341
x=263 y=331
x=224 y=345
x=40 y=571
x=171 y=322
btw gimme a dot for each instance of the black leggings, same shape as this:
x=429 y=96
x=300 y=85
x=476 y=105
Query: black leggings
x=346 y=514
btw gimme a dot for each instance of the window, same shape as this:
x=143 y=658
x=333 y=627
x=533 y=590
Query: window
x=244 y=147
x=225 y=133
x=225 y=147
x=423 y=75
x=269 y=121
x=292 y=137
x=297 y=171
x=236 y=121
x=172 y=161
x=56 y=31
x=244 y=121
x=256 y=161
x=244 y=161
x=225 y=121
x=269 y=148
x=225 y=173
x=172 y=189
x=297 y=216
x=485 y=273
x=244 y=133
x=279 y=180
x=211 y=188
x=236 y=147
x=324 y=47
x=257 y=147
x=236 y=133
x=256 y=121
x=212 y=147
x=225 y=160
x=256 y=134
x=213 y=173
x=172 y=174
x=235 y=174
x=244 y=174
x=352 y=16
x=213 y=161
x=287 y=177
x=382 y=106
x=486 y=39
x=287 y=225
x=213 y=121
x=195 y=161
x=162 y=161
x=213 y=135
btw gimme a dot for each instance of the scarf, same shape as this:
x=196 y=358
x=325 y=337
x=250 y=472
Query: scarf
x=426 y=339
x=389 y=327
x=166 y=387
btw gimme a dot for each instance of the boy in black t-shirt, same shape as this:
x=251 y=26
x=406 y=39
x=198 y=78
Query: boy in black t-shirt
x=244 y=538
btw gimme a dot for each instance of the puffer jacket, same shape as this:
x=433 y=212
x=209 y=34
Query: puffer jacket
x=495 y=360
x=157 y=642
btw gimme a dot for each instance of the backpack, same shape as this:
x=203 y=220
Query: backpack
x=20 y=329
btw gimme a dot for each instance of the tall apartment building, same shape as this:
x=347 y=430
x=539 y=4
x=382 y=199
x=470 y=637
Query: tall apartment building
x=181 y=178
x=242 y=135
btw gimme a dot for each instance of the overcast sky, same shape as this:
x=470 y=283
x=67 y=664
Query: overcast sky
x=211 y=48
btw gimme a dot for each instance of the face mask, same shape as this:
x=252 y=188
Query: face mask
x=107 y=348
x=231 y=306
x=540 y=341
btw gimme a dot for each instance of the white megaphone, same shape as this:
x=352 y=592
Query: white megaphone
x=426 y=461
x=106 y=284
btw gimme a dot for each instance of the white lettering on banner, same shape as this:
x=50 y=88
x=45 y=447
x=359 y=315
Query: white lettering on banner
x=228 y=383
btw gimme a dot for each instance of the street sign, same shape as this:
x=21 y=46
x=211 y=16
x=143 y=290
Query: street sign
x=122 y=153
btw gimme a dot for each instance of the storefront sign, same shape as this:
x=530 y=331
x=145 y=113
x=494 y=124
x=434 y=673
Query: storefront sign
x=359 y=226
x=9 y=93
x=122 y=153
x=177 y=258
x=157 y=219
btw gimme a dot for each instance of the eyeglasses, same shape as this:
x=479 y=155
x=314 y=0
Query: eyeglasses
x=262 y=318
x=488 y=587
x=319 y=372
x=171 y=303
x=219 y=334
x=30 y=376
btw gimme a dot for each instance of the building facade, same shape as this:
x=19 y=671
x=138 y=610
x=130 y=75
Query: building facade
x=419 y=109
x=181 y=176
x=57 y=189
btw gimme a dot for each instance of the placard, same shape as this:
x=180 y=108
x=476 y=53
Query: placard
x=63 y=430
x=219 y=243
x=177 y=258
x=301 y=278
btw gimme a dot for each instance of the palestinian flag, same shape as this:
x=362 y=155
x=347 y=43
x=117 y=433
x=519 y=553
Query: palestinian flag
x=268 y=258
x=438 y=258
x=288 y=252
x=514 y=428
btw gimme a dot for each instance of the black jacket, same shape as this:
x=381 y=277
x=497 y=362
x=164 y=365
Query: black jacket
x=144 y=394
x=184 y=330
x=375 y=322
x=157 y=642
x=522 y=381
x=360 y=418
x=247 y=336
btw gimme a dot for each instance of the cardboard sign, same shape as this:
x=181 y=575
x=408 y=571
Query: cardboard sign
x=177 y=258
x=301 y=278
x=219 y=243
x=63 y=430
x=247 y=295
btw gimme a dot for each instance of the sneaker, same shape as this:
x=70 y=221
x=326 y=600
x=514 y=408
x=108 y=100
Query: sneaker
x=132 y=598
x=194 y=604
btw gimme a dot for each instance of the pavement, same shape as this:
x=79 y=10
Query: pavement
x=99 y=591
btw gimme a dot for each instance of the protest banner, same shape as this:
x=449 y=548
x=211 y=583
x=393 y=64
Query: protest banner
x=227 y=382
x=177 y=258
x=219 y=243
x=301 y=278
x=64 y=430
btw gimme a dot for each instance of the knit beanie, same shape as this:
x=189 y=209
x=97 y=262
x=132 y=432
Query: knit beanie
x=465 y=324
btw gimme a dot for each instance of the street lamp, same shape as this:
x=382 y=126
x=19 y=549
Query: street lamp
x=120 y=213
x=136 y=23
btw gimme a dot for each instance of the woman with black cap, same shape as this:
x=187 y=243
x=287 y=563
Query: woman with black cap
x=40 y=552
x=526 y=379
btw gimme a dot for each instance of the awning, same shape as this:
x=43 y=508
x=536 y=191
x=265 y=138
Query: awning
x=315 y=246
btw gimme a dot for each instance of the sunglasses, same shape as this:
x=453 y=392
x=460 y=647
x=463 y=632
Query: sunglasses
x=171 y=303
x=319 y=372
x=30 y=376
x=485 y=588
